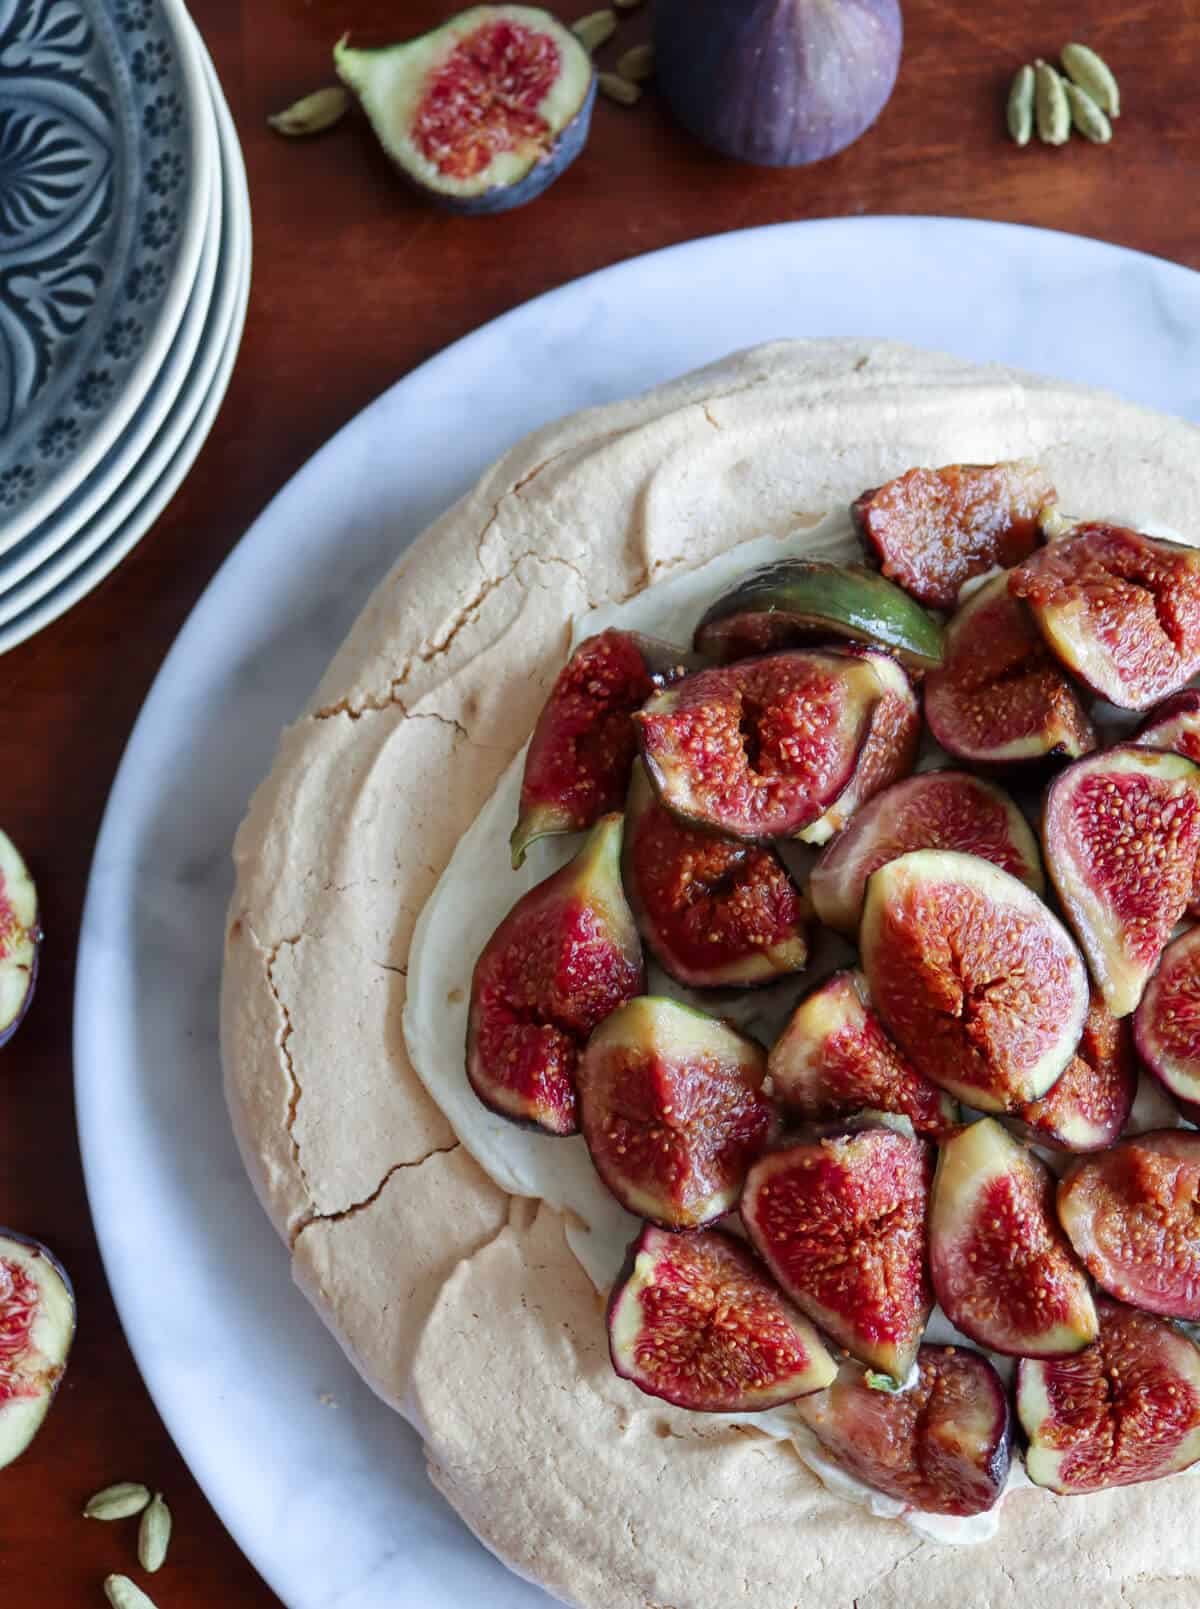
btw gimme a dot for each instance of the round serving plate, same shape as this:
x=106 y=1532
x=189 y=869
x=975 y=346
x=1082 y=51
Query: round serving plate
x=108 y=156
x=100 y=544
x=335 y=1507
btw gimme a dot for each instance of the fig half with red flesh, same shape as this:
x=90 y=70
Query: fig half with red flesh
x=1002 y=1269
x=999 y=698
x=1120 y=610
x=579 y=758
x=1124 y=1410
x=841 y=1223
x=20 y=938
x=834 y=1059
x=1166 y=1024
x=714 y=913
x=1133 y=1216
x=1121 y=835
x=888 y=753
x=1175 y=725
x=936 y=810
x=564 y=957
x=932 y=529
x=37 y=1327
x=976 y=980
x=672 y=1108
x=794 y=602
x=1086 y=1109
x=943 y=1445
x=697 y=1320
x=483 y=113
x=759 y=749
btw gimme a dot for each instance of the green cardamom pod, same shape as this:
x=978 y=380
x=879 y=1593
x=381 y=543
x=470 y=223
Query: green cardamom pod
x=618 y=89
x=596 y=29
x=637 y=64
x=314 y=113
x=1052 y=109
x=1020 y=106
x=122 y=1594
x=117 y=1502
x=154 y=1535
x=1087 y=116
x=1094 y=76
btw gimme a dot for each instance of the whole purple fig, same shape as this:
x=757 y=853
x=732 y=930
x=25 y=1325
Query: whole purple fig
x=777 y=82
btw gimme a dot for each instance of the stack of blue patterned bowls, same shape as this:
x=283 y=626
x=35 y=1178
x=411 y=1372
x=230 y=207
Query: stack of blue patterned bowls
x=124 y=274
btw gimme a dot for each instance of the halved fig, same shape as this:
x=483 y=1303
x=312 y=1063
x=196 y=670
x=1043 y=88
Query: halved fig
x=840 y=1222
x=578 y=763
x=833 y=1059
x=565 y=956
x=1133 y=1216
x=20 y=938
x=483 y=113
x=798 y=601
x=672 y=1108
x=759 y=749
x=888 y=752
x=1120 y=610
x=1001 y=1266
x=713 y=912
x=37 y=1326
x=932 y=529
x=1121 y=835
x=1166 y=1024
x=936 y=810
x=1175 y=725
x=697 y=1320
x=943 y=1445
x=1124 y=1410
x=973 y=977
x=999 y=697
x=1086 y=1109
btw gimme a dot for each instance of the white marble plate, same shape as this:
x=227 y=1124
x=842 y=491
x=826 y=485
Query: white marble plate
x=331 y=1502
x=61 y=575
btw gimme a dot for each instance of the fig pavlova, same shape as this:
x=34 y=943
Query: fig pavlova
x=841 y=1160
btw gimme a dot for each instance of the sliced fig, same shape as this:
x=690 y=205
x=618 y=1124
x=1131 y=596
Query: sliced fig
x=20 y=938
x=759 y=749
x=714 y=913
x=483 y=113
x=973 y=977
x=564 y=957
x=888 y=752
x=1000 y=699
x=1086 y=1109
x=1175 y=725
x=943 y=1445
x=936 y=810
x=932 y=529
x=697 y=1320
x=1133 y=1216
x=1002 y=1269
x=673 y=1111
x=1121 y=835
x=798 y=601
x=1120 y=610
x=1166 y=1024
x=840 y=1222
x=834 y=1059
x=37 y=1326
x=584 y=743
x=1124 y=1410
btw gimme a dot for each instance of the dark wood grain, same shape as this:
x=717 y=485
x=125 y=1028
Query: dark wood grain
x=354 y=284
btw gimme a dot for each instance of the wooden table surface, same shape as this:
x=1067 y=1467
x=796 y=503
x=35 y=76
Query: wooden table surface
x=354 y=284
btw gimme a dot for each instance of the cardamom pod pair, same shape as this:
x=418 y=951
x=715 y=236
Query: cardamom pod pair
x=1043 y=99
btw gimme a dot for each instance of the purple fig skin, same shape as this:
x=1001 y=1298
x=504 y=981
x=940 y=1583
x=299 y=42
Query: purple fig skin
x=20 y=939
x=14 y=1441
x=778 y=84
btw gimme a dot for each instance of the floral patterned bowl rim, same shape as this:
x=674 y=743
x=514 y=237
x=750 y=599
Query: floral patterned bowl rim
x=108 y=154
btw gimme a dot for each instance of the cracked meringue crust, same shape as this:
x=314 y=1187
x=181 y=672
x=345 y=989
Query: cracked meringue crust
x=408 y=1251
